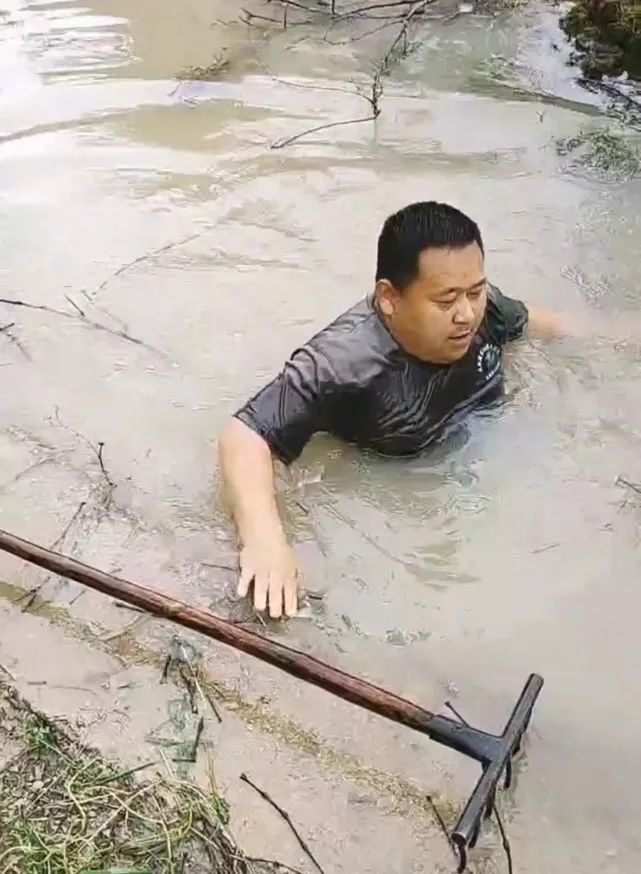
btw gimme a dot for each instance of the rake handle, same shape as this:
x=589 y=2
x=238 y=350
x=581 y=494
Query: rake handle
x=288 y=659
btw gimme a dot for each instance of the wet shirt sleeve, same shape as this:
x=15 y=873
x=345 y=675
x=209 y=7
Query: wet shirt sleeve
x=506 y=317
x=292 y=407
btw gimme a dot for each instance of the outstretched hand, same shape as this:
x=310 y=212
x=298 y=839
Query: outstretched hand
x=271 y=565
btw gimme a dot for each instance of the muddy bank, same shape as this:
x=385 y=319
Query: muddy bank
x=607 y=36
x=348 y=814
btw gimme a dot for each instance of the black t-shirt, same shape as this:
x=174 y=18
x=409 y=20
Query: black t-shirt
x=354 y=381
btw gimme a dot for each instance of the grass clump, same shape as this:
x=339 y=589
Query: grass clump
x=39 y=735
x=65 y=810
x=604 y=151
x=219 y=65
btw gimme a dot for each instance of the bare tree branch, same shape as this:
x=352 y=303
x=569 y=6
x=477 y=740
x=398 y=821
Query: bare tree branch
x=9 y=334
x=280 y=144
x=76 y=316
x=417 y=7
x=148 y=256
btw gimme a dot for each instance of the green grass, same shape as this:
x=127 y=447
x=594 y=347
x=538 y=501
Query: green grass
x=65 y=810
x=39 y=735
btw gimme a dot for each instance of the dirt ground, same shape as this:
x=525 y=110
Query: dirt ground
x=350 y=813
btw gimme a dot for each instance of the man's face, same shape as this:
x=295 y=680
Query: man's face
x=436 y=317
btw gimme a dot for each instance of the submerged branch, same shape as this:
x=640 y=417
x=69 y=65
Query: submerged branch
x=634 y=487
x=404 y=20
x=287 y=818
x=280 y=144
x=78 y=316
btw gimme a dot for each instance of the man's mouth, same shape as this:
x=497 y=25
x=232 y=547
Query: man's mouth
x=461 y=336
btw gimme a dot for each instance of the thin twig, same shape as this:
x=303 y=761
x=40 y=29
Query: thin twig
x=221 y=566
x=453 y=710
x=210 y=701
x=148 y=256
x=193 y=755
x=6 y=671
x=504 y=839
x=188 y=683
x=6 y=329
x=8 y=301
x=75 y=306
x=361 y=9
x=61 y=538
x=545 y=548
x=194 y=678
x=272 y=865
x=402 y=34
x=279 y=144
x=165 y=671
x=121 y=776
x=310 y=10
x=32 y=594
x=286 y=817
x=635 y=487
x=250 y=16
x=342 y=42
x=416 y=8
x=441 y=822
x=99 y=451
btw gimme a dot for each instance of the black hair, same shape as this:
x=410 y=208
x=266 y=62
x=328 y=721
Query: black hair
x=420 y=226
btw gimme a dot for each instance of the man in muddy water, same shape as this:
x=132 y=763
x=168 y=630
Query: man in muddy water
x=390 y=375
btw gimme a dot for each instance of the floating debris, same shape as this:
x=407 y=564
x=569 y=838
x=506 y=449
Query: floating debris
x=219 y=64
x=606 y=152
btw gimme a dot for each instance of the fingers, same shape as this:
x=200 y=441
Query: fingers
x=261 y=586
x=275 y=585
x=291 y=597
x=283 y=594
x=245 y=579
x=275 y=597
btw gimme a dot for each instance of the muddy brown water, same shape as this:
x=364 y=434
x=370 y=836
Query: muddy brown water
x=157 y=208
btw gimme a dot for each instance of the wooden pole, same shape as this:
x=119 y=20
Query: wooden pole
x=286 y=658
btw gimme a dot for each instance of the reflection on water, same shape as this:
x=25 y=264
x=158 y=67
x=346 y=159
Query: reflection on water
x=158 y=209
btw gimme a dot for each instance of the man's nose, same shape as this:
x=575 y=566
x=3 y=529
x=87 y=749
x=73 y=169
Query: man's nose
x=463 y=314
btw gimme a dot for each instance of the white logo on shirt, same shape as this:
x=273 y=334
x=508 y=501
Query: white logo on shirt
x=488 y=360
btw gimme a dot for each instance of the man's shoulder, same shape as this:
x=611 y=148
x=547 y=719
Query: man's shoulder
x=505 y=317
x=352 y=349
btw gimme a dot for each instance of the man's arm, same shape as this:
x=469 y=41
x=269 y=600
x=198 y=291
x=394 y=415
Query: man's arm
x=266 y=559
x=275 y=423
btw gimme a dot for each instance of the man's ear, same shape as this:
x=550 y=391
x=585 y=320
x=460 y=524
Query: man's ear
x=387 y=297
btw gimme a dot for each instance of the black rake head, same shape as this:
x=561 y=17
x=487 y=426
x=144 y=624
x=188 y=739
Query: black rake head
x=495 y=755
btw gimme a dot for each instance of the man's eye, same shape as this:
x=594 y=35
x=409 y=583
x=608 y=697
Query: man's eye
x=446 y=303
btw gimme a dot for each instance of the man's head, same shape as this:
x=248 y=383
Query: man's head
x=430 y=280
